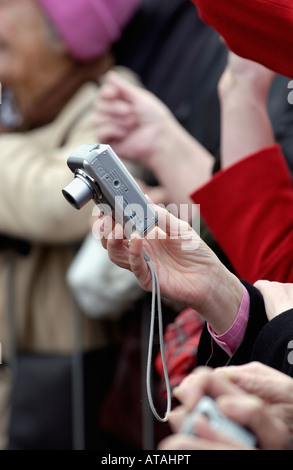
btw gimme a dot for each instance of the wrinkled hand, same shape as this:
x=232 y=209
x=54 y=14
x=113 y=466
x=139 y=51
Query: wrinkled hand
x=278 y=297
x=188 y=270
x=246 y=409
x=269 y=384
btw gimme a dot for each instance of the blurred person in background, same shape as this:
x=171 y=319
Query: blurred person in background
x=52 y=55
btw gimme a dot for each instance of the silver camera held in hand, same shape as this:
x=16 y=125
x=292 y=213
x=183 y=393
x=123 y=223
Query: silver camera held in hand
x=219 y=422
x=100 y=175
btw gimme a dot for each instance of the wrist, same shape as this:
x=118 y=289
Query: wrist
x=247 y=87
x=243 y=115
x=180 y=163
x=164 y=143
x=224 y=300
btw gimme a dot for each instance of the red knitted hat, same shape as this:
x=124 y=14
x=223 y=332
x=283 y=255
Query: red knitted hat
x=260 y=30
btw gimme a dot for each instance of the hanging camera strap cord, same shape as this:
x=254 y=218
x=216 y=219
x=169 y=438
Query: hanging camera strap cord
x=156 y=293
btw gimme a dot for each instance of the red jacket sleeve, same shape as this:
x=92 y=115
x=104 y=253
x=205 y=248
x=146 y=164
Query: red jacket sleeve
x=259 y=30
x=249 y=210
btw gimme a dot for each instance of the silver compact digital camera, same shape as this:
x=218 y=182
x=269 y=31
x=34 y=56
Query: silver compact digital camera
x=100 y=175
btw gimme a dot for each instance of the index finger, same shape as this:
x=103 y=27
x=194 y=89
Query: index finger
x=203 y=381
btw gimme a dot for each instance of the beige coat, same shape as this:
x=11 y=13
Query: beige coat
x=33 y=171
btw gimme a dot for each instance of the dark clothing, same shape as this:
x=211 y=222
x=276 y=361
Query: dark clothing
x=273 y=345
x=266 y=342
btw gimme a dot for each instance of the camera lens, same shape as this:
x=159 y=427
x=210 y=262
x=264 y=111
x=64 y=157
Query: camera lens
x=78 y=192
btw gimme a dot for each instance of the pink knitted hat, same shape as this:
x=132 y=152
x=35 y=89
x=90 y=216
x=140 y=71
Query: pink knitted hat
x=89 y=27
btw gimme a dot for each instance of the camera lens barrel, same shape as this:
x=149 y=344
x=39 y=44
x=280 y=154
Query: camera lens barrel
x=78 y=192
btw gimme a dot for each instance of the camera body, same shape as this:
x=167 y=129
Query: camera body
x=99 y=175
x=219 y=422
